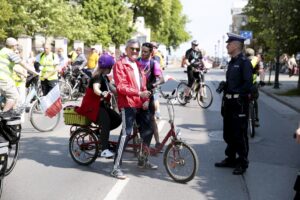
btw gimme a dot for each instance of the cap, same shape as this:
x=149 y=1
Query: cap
x=235 y=37
x=106 y=61
x=195 y=42
x=11 y=41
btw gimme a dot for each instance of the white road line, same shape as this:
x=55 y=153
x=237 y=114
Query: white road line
x=116 y=190
x=119 y=186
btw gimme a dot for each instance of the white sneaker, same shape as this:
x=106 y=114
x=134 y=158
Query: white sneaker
x=107 y=153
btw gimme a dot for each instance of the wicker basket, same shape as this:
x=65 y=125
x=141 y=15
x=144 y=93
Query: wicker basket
x=73 y=118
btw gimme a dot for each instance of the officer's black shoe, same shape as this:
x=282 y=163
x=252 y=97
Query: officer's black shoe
x=226 y=163
x=239 y=170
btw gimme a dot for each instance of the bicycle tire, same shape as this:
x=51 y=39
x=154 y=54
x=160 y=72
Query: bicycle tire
x=65 y=90
x=180 y=93
x=1 y=186
x=13 y=153
x=205 y=100
x=174 y=161
x=38 y=118
x=251 y=121
x=83 y=146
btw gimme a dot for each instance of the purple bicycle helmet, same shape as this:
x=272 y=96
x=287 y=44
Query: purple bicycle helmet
x=106 y=61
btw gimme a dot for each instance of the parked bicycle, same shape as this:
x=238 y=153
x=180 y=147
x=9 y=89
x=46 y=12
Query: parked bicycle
x=180 y=159
x=199 y=91
x=74 y=84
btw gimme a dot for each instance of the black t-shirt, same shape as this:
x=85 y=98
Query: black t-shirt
x=192 y=54
x=102 y=79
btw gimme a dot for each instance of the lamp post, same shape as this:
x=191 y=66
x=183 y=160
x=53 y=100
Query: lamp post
x=278 y=44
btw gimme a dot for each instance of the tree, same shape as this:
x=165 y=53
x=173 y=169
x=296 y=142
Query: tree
x=275 y=22
x=50 y=18
x=110 y=21
x=165 y=19
x=6 y=13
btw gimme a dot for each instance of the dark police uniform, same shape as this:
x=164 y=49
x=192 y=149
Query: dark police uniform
x=193 y=56
x=235 y=109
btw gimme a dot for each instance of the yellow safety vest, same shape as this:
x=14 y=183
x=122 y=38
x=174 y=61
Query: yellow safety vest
x=19 y=79
x=6 y=66
x=47 y=61
x=254 y=62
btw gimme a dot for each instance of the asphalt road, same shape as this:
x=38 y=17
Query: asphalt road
x=45 y=170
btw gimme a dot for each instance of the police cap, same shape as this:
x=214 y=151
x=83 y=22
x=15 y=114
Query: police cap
x=235 y=37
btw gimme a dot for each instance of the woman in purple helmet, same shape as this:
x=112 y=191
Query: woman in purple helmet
x=98 y=96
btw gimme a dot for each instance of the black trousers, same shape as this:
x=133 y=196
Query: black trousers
x=48 y=85
x=235 y=124
x=108 y=119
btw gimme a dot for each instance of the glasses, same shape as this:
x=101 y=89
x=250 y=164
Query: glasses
x=135 y=49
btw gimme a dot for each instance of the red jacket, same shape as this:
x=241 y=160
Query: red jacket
x=90 y=105
x=127 y=88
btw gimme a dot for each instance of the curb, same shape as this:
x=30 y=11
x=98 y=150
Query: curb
x=280 y=100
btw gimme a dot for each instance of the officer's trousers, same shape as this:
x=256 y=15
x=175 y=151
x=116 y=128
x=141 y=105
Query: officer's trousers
x=235 y=122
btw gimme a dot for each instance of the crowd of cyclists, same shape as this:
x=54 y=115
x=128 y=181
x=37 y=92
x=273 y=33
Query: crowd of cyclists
x=133 y=80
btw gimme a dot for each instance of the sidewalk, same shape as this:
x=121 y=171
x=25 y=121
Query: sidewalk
x=285 y=83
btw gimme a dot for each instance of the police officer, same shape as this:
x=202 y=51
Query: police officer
x=235 y=106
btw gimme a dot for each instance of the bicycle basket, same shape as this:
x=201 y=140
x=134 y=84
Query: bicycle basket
x=73 y=118
x=11 y=130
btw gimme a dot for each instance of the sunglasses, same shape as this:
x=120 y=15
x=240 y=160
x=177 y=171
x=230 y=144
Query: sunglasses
x=135 y=49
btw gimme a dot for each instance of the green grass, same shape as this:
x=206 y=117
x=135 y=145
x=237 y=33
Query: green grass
x=292 y=92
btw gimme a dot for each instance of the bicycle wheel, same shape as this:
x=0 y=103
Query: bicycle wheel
x=83 y=146
x=181 y=162
x=180 y=93
x=65 y=90
x=251 y=120
x=40 y=121
x=13 y=153
x=204 y=96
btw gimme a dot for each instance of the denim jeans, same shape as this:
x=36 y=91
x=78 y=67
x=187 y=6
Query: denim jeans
x=129 y=116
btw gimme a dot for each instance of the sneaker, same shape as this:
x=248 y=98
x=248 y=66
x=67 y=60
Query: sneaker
x=187 y=99
x=117 y=173
x=147 y=165
x=107 y=153
x=157 y=145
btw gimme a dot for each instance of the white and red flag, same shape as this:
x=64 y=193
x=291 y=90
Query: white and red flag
x=51 y=103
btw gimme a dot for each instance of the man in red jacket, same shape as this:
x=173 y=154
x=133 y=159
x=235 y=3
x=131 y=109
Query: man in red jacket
x=133 y=102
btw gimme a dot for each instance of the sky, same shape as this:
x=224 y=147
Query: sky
x=209 y=22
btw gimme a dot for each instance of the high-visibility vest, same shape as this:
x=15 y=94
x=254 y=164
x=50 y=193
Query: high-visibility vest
x=20 y=80
x=47 y=61
x=254 y=62
x=6 y=66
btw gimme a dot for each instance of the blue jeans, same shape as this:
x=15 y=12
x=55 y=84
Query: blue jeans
x=129 y=116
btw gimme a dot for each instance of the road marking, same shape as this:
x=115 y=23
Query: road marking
x=116 y=190
x=114 y=193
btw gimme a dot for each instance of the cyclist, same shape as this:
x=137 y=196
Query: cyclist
x=95 y=103
x=49 y=72
x=250 y=53
x=154 y=76
x=8 y=58
x=193 y=60
x=133 y=102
